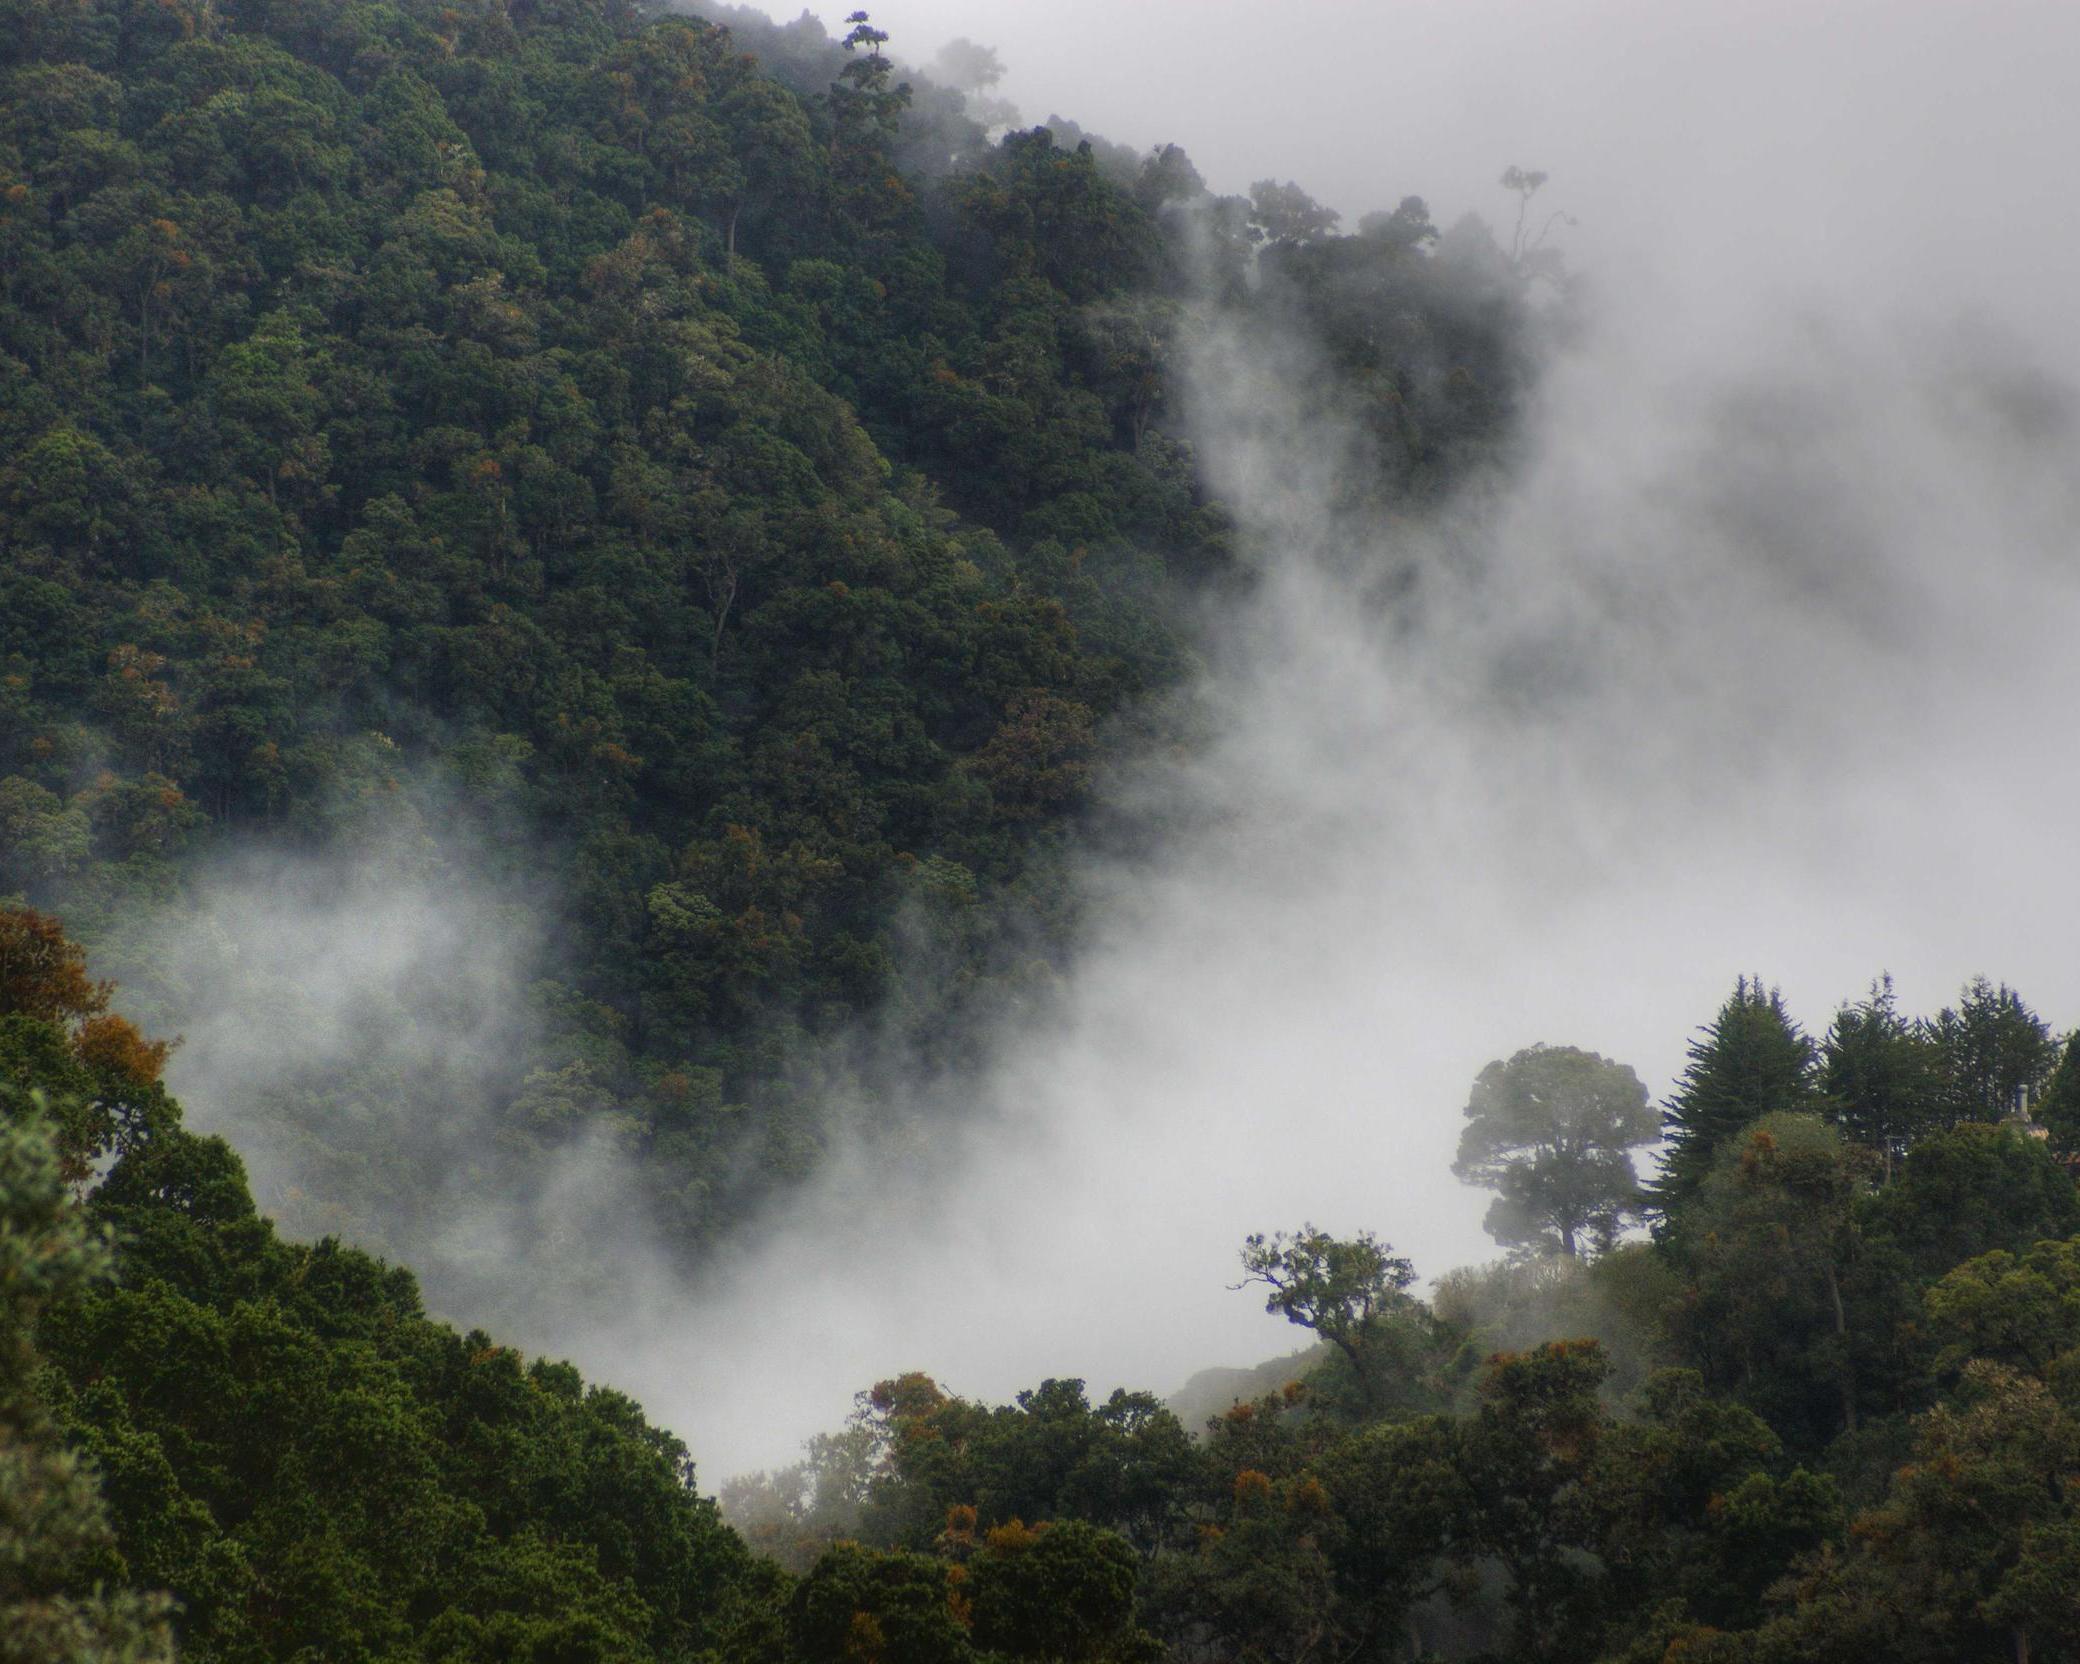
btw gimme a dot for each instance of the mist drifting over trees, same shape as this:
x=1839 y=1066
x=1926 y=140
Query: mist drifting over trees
x=898 y=774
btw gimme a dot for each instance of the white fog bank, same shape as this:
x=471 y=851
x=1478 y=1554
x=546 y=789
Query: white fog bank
x=1763 y=661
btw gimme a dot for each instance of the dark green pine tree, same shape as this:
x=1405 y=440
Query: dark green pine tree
x=1996 y=1052
x=1750 y=1061
x=1880 y=1074
x=2058 y=1110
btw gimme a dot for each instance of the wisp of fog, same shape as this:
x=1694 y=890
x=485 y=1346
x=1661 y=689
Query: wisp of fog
x=349 y=1024
x=1756 y=659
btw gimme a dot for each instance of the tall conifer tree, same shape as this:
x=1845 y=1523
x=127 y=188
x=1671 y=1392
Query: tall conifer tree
x=2058 y=1110
x=1751 y=1061
x=1880 y=1074
x=1996 y=1052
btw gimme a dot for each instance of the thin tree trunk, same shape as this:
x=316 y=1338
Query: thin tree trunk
x=724 y=597
x=1841 y=1329
x=1363 y=1376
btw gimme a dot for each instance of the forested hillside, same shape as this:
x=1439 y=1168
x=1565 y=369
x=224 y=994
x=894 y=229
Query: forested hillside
x=731 y=500
x=1825 y=1411
x=278 y=1435
x=532 y=445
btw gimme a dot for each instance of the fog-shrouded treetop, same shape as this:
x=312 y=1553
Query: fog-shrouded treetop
x=1552 y=1131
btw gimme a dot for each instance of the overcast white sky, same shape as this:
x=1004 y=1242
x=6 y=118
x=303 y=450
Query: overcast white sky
x=1840 y=130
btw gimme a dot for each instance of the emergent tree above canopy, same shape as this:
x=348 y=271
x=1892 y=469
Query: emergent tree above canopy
x=1551 y=1131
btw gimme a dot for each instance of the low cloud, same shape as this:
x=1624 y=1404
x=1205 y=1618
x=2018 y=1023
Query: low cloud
x=1758 y=657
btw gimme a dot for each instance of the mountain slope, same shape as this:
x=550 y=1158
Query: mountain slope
x=528 y=447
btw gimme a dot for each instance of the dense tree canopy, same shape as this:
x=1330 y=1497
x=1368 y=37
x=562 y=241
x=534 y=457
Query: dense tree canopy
x=1351 y=1291
x=2059 y=1110
x=1824 y=1412
x=725 y=494
x=1824 y=1415
x=62 y=1599
x=284 y=1443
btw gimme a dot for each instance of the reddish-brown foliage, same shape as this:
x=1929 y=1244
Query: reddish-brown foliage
x=112 y=1044
x=43 y=975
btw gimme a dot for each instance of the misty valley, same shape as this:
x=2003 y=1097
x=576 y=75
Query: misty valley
x=791 y=873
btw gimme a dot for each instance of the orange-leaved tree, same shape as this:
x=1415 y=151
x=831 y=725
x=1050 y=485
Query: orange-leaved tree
x=99 y=1074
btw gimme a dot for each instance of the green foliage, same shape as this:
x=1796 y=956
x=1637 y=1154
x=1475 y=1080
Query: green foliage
x=1968 y=1555
x=1700 y=1503
x=1995 y=1052
x=1768 y=1244
x=1624 y=1299
x=1537 y=1525
x=1349 y=1290
x=2020 y=1311
x=1880 y=1074
x=1527 y=1453
x=710 y=490
x=1125 y=1464
x=278 y=1437
x=1258 y=1585
x=1751 y=1061
x=285 y=1442
x=1553 y=1130
x=1970 y=1189
x=1063 y=1593
x=63 y=1598
x=860 y=1606
x=748 y=500
x=1285 y=214
x=2058 y=1110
